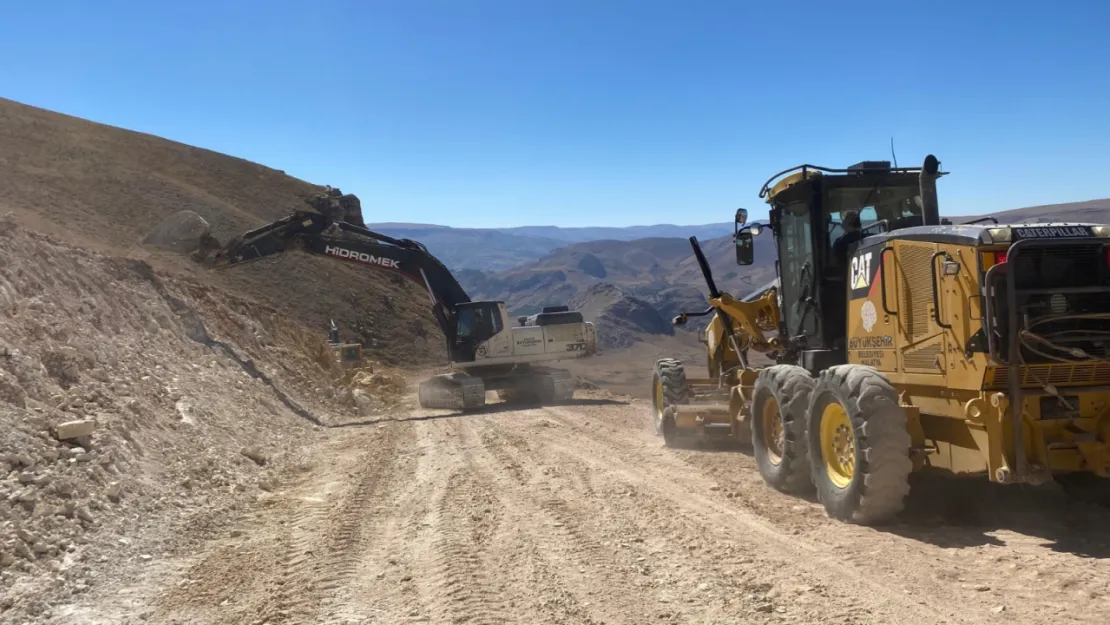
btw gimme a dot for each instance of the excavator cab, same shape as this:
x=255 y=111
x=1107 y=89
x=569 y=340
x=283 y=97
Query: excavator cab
x=818 y=216
x=475 y=323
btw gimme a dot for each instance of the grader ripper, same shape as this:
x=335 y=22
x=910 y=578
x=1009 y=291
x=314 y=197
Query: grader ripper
x=901 y=343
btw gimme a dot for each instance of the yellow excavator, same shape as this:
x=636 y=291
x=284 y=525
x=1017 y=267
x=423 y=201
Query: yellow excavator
x=899 y=342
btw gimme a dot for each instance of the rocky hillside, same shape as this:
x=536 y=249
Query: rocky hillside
x=104 y=188
x=660 y=272
x=135 y=404
x=621 y=318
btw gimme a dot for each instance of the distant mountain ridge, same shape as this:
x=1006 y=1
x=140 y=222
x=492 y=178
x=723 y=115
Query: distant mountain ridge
x=500 y=249
x=662 y=272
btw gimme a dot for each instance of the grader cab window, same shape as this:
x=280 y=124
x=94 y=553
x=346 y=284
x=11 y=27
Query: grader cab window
x=852 y=213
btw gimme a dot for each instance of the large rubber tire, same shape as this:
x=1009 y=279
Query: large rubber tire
x=668 y=387
x=866 y=483
x=780 y=401
x=1086 y=487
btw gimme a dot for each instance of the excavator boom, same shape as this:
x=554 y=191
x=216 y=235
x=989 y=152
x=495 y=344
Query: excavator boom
x=316 y=233
x=486 y=351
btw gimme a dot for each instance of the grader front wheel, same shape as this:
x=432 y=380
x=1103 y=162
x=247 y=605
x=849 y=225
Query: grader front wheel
x=779 y=403
x=668 y=388
x=859 y=447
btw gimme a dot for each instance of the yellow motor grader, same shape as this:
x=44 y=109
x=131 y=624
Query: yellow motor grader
x=901 y=342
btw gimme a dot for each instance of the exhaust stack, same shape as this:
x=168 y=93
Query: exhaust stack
x=928 y=181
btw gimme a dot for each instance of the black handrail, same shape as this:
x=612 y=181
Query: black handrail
x=882 y=279
x=936 y=293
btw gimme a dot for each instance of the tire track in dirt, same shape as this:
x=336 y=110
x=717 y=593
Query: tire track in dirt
x=1003 y=541
x=353 y=529
x=620 y=571
x=557 y=567
x=299 y=552
x=454 y=568
x=386 y=585
x=679 y=571
x=680 y=488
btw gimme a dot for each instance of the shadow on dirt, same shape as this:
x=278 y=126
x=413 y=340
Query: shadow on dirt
x=952 y=513
x=488 y=409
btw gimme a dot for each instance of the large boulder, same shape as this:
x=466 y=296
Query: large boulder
x=184 y=232
x=338 y=206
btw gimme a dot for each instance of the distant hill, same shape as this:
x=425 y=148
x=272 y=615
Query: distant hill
x=1094 y=211
x=498 y=249
x=474 y=248
x=661 y=272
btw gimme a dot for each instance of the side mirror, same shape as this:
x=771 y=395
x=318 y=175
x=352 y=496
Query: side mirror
x=745 y=251
x=741 y=217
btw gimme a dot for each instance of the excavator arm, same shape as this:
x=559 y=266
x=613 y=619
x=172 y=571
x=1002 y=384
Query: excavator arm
x=316 y=233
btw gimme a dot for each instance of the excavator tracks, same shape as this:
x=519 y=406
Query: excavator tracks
x=452 y=391
x=543 y=386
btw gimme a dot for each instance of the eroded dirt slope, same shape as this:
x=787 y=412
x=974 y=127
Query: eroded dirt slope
x=194 y=397
x=577 y=514
x=104 y=187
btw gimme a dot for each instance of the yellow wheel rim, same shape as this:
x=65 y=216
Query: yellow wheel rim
x=773 y=434
x=838 y=444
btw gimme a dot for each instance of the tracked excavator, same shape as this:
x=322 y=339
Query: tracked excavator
x=485 y=349
x=900 y=342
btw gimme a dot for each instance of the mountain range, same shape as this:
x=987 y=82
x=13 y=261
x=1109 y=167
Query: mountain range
x=499 y=249
x=628 y=279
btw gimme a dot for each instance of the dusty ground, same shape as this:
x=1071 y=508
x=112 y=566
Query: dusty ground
x=578 y=514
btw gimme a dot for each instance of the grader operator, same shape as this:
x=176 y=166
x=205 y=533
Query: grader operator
x=903 y=343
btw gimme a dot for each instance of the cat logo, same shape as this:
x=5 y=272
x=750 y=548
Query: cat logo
x=861 y=271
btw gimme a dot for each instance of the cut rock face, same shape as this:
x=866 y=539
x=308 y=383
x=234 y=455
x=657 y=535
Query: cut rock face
x=182 y=232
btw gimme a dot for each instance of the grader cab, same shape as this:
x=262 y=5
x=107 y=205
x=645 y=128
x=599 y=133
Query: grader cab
x=901 y=342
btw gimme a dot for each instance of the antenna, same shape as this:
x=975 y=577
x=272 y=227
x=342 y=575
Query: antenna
x=892 y=156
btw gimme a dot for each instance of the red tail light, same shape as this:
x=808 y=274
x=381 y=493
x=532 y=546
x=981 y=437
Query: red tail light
x=1000 y=257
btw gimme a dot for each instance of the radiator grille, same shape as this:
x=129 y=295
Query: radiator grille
x=1036 y=376
x=919 y=289
x=924 y=357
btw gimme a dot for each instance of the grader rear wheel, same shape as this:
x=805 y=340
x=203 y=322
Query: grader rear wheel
x=779 y=403
x=859 y=446
x=668 y=388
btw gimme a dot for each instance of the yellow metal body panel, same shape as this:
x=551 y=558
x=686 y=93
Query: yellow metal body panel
x=961 y=417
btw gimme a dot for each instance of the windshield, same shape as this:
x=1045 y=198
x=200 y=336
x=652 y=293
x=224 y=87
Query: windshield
x=478 y=322
x=852 y=212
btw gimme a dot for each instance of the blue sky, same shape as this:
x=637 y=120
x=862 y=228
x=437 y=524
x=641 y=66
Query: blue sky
x=574 y=112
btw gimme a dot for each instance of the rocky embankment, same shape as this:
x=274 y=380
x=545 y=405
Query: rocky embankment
x=135 y=404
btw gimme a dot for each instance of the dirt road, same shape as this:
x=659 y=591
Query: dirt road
x=578 y=514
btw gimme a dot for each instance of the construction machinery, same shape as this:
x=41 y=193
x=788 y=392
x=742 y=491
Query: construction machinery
x=348 y=355
x=896 y=342
x=485 y=350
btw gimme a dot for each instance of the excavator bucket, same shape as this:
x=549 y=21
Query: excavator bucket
x=184 y=232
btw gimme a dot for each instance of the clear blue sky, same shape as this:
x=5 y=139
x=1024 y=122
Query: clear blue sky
x=602 y=112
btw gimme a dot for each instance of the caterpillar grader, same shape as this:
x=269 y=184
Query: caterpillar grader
x=900 y=342
x=483 y=347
